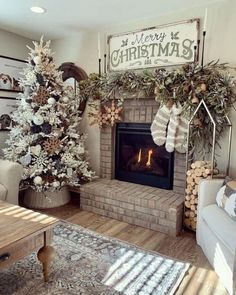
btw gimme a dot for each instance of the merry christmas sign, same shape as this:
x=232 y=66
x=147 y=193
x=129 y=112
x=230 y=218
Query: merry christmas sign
x=165 y=45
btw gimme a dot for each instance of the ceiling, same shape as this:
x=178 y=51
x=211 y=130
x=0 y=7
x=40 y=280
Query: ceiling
x=65 y=17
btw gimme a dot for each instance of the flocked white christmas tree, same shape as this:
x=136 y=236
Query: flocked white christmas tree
x=45 y=138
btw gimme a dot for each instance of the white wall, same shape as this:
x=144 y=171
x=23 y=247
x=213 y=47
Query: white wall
x=11 y=45
x=220 y=43
x=82 y=50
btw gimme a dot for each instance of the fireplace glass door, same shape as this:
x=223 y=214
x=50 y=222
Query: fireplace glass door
x=139 y=160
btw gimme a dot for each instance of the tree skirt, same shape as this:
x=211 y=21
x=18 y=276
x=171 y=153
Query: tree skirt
x=91 y=264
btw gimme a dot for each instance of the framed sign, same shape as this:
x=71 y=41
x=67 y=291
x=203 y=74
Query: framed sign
x=7 y=107
x=166 y=45
x=10 y=72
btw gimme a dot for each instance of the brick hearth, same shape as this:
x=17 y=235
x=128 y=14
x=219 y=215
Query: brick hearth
x=146 y=206
x=137 y=204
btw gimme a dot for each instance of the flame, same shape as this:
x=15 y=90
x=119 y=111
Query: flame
x=139 y=155
x=149 y=158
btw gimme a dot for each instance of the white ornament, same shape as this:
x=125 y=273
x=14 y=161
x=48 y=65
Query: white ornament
x=38 y=180
x=37 y=60
x=25 y=160
x=65 y=99
x=71 y=143
x=38 y=120
x=56 y=184
x=35 y=149
x=51 y=101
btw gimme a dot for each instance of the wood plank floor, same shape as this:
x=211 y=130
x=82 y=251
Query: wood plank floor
x=200 y=280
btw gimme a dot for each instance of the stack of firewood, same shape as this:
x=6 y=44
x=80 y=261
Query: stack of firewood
x=199 y=170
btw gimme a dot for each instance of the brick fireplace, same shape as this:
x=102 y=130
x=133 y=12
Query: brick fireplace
x=143 y=205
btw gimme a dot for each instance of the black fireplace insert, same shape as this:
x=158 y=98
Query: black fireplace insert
x=139 y=160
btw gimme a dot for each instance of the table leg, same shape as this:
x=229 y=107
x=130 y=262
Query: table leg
x=45 y=256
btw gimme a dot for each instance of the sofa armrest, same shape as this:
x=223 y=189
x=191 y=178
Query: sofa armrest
x=208 y=189
x=206 y=196
x=10 y=177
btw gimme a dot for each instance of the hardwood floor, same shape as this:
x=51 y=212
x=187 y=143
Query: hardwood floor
x=200 y=280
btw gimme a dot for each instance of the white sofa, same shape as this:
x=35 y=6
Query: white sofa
x=216 y=234
x=10 y=177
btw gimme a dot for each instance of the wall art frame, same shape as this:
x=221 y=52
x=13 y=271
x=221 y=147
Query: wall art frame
x=8 y=106
x=10 y=72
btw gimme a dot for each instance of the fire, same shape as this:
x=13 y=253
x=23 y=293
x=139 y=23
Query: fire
x=139 y=155
x=149 y=158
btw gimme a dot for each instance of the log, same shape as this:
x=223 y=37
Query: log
x=187 y=213
x=193 y=166
x=187 y=198
x=189 y=179
x=197 y=179
x=188 y=191
x=187 y=204
x=192 y=197
x=192 y=207
x=193 y=224
x=195 y=192
x=207 y=171
x=192 y=201
x=187 y=222
x=191 y=214
x=216 y=171
x=198 y=172
x=189 y=172
x=189 y=186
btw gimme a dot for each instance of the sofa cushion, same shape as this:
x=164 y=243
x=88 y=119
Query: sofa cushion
x=226 y=198
x=221 y=225
x=3 y=192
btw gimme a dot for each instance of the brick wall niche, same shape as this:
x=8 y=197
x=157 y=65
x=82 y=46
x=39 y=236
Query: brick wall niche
x=153 y=208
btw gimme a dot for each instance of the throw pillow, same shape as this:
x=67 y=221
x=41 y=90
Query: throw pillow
x=226 y=198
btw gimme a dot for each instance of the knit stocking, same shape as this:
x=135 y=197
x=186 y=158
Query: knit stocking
x=172 y=128
x=181 y=135
x=159 y=125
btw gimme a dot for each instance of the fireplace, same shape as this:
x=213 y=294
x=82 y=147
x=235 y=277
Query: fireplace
x=139 y=160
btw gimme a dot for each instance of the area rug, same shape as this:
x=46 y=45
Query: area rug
x=90 y=264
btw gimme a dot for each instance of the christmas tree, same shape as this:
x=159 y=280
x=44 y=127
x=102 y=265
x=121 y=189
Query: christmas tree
x=45 y=137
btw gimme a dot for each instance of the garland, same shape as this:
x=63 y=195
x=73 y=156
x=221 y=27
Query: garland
x=186 y=85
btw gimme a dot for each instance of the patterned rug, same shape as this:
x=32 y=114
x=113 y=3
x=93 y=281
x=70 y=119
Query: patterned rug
x=91 y=264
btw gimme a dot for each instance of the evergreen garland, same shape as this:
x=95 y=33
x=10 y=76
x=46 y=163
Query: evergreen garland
x=188 y=85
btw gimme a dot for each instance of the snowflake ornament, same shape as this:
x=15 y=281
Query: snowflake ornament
x=41 y=161
x=112 y=114
x=52 y=145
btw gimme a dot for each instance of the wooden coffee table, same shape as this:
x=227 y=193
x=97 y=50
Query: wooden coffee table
x=23 y=231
